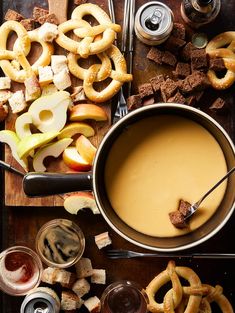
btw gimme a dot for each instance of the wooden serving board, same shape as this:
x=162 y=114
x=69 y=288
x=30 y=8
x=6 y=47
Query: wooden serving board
x=14 y=194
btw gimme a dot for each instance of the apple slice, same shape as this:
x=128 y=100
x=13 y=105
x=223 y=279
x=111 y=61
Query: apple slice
x=52 y=149
x=82 y=112
x=11 y=139
x=86 y=149
x=76 y=128
x=22 y=125
x=74 y=160
x=27 y=144
x=80 y=200
x=49 y=113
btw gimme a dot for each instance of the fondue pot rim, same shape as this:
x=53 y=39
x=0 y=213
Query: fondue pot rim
x=96 y=164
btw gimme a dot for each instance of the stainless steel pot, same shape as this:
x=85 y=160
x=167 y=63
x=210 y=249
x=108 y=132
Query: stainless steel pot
x=38 y=184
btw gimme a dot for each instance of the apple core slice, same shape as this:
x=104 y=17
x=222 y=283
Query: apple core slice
x=52 y=149
x=79 y=201
x=22 y=125
x=86 y=149
x=74 y=160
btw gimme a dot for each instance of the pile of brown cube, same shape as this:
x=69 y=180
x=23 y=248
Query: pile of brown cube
x=189 y=67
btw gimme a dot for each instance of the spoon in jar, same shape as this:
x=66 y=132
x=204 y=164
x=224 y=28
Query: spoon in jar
x=193 y=208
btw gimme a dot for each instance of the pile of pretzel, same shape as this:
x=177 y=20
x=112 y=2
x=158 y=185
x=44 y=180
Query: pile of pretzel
x=90 y=40
x=193 y=298
x=223 y=46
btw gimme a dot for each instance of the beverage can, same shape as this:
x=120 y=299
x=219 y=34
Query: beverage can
x=41 y=300
x=153 y=23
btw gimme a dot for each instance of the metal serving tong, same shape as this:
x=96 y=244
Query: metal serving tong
x=126 y=49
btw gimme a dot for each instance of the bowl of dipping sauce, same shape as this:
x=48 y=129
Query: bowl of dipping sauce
x=60 y=243
x=20 y=270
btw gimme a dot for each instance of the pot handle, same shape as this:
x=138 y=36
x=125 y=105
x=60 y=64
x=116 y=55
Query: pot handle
x=46 y=184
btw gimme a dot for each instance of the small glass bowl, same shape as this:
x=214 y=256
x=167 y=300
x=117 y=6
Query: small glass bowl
x=60 y=243
x=20 y=270
x=122 y=296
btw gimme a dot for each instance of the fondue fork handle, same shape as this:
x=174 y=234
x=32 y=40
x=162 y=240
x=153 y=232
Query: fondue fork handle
x=46 y=184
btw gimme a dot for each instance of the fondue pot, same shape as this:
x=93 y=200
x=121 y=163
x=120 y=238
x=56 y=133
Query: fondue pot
x=42 y=184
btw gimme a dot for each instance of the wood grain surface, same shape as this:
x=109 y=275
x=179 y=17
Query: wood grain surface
x=19 y=225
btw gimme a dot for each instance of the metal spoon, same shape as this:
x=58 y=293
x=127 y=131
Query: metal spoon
x=196 y=205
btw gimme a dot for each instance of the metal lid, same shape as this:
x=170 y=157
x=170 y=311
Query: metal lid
x=39 y=302
x=199 y=40
x=154 y=20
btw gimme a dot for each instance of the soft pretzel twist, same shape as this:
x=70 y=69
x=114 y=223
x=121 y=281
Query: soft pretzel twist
x=217 y=48
x=87 y=33
x=100 y=72
x=21 y=49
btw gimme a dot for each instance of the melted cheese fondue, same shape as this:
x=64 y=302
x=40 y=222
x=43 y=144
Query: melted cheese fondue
x=155 y=163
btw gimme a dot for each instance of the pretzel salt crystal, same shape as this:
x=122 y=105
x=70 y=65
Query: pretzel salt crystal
x=216 y=48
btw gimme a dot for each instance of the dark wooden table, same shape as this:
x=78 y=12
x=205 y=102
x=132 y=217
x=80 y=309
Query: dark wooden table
x=19 y=225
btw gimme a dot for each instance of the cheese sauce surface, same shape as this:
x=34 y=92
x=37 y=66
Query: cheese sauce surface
x=158 y=161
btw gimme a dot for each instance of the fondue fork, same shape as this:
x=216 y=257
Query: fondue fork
x=127 y=254
x=9 y=168
x=193 y=208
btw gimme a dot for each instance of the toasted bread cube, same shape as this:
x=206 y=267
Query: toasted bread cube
x=98 y=276
x=32 y=88
x=48 y=90
x=102 y=240
x=45 y=75
x=59 y=63
x=68 y=300
x=48 y=32
x=49 y=275
x=17 y=101
x=84 y=268
x=65 y=278
x=5 y=83
x=81 y=287
x=5 y=95
x=78 y=94
x=93 y=304
x=62 y=80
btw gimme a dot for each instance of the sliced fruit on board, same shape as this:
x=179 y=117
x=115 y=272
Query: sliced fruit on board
x=22 y=125
x=11 y=139
x=86 y=149
x=76 y=128
x=80 y=200
x=74 y=160
x=82 y=111
x=52 y=149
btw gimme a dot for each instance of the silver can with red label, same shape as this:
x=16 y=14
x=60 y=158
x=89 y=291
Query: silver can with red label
x=41 y=300
x=153 y=23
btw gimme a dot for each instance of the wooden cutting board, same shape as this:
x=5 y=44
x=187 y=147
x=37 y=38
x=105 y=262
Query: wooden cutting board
x=14 y=194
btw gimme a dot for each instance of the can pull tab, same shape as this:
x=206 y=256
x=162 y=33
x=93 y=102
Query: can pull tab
x=153 y=21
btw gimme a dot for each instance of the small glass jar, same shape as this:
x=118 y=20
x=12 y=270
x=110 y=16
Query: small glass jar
x=60 y=243
x=20 y=270
x=124 y=297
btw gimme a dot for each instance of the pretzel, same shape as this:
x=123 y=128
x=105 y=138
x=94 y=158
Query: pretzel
x=87 y=33
x=216 y=48
x=100 y=72
x=215 y=294
x=173 y=298
x=20 y=51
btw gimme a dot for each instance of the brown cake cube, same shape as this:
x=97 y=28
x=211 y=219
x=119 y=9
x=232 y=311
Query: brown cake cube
x=28 y=23
x=145 y=90
x=78 y=2
x=155 y=55
x=198 y=59
x=49 y=18
x=177 y=98
x=156 y=82
x=134 y=102
x=182 y=70
x=219 y=106
x=191 y=100
x=169 y=58
x=198 y=80
x=12 y=15
x=216 y=64
x=184 y=207
x=39 y=12
x=184 y=86
x=168 y=88
x=174 y=44
x=177 y=219
x=178 y=31
x=186 y=51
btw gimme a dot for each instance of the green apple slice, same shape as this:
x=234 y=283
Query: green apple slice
x=11 y=139
x=52 y=149
x=49 y=113
x=76 y=128
x=27 y=144
x=22 y=125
